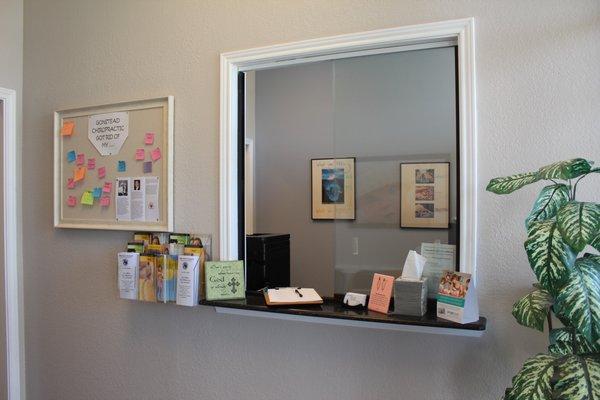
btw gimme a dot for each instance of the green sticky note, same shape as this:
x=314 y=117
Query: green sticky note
x=225 y=280
x=87 y=198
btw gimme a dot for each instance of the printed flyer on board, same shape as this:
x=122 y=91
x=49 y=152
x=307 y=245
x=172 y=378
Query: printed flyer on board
x=137 y=199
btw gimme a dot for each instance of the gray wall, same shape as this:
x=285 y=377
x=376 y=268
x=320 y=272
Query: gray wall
x=537 y=101
x=11 y=77
x=383 y=110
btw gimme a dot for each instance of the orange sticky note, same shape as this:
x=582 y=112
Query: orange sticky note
x=381 y=293
x=101 y=172
x=79 y=174
x=67 y=128
x=156 y=154
x=71 y=201
x=149 y=138
x=107 y=187
x=105 y=201
x=140 y=154
x=70 y=183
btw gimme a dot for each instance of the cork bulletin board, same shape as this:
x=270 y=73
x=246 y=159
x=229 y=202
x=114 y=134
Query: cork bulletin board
x=113 y=166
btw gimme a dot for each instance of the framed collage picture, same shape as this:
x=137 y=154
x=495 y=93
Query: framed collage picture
x=333 y=184
x=424 y=195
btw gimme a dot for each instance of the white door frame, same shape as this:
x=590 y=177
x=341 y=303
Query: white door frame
x=12 y=271
x=249 y=179
x=379 y=41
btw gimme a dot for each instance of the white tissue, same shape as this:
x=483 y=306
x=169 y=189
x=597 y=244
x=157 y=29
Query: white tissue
x=413 y=266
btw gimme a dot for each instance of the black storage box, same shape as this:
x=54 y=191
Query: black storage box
x=267 y=260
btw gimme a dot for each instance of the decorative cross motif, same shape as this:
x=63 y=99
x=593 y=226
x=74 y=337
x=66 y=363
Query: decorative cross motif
x=233 y=285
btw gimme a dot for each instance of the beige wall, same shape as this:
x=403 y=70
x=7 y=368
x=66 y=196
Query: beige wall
x=11 y=77
x=538 y=91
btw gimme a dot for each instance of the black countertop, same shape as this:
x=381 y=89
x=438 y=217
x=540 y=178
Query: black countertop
x=335 y=309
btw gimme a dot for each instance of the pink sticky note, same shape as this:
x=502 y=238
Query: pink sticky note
x=71 y=201
x=80 y=159
x=70 y=183
x=101 y=172
x=155 y=154
x=105 y=201
x=107 y=187
x=140 y=154
x=149 y=138
x=91 y=163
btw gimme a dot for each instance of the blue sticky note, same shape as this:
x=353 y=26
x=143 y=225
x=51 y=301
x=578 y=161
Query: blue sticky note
x=97 y=192
x=71 y=156
x=122 y=166
x=148 y=167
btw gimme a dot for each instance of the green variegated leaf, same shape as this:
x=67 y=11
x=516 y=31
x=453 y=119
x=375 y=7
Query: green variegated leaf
x=566 y=341
x=578 y=303
x=549 y=256
x=534 y=380
x=565 y=169
x=578 y=378
x=509 y=184
x=531 y=310
x=579 y=223
x=547 y=204
x=596 y=242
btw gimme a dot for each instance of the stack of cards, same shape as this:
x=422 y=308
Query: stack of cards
x=410 y=297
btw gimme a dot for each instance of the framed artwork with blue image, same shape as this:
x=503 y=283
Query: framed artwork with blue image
x=333 y=182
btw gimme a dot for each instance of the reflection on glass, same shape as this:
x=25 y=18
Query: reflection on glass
x=347 y=219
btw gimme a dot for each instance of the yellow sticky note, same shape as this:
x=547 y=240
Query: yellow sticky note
x=67 y=128
x=87 y=198
x=79 y=174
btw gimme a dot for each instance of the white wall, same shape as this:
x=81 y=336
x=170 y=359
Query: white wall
x=538 y=96
x=11 y=77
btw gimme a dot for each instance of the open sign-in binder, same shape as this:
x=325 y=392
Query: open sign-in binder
x=287 y=296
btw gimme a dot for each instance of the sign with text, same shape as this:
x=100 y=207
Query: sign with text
x=108 y=132
x=224 y=280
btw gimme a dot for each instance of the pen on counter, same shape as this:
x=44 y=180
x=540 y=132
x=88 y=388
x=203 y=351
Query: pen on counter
x=297 y=291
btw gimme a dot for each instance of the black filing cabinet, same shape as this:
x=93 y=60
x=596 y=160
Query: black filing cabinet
x=267 y=260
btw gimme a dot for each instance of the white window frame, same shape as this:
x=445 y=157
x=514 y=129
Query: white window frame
x=372 y=42
x=15 y=351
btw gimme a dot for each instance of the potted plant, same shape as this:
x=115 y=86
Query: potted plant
x=559 y=228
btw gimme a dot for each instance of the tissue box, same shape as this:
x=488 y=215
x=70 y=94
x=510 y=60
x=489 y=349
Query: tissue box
x=410 y=297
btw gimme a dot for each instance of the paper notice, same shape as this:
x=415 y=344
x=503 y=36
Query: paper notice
x=440 y=257
x=122 y=201
x=138 y=200
x=152 y=191
x=128 y=275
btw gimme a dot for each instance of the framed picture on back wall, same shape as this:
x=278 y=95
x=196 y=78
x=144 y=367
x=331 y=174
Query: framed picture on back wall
x=333 y=183
x=424 y=195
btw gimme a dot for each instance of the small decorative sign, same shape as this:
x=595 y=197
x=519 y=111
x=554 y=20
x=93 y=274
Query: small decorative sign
x=108 y=132
x=225 y=280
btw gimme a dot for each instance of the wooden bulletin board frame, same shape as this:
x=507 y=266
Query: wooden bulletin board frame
x=163 y=132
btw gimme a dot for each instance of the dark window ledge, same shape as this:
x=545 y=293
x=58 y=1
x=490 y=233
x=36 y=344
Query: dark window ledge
x=334 y=313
